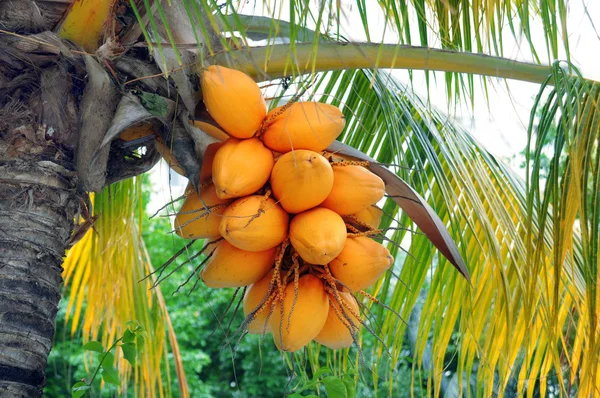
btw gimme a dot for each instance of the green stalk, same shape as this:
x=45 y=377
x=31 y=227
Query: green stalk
x=102 y=360
x=339 y=56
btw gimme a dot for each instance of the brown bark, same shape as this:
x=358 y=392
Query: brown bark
x=38 y=202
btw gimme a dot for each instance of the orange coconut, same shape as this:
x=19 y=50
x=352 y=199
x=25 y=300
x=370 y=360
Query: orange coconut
x=318 y=235
x=169 y=157
x=304 y=125
x=207 y=162
x=196 y=219
x=229 y=266
x=370 y=215
x=241 y=167
x=248 y=226
x=301 y=180
x=234 y=100
x=309 y=309
x=362 y=262
x=140 y=130
x=336 y=331
x=354 y=188
x=211 y=130
x=255 y=294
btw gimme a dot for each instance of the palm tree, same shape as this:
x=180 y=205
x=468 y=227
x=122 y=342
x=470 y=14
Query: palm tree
x=75 y=76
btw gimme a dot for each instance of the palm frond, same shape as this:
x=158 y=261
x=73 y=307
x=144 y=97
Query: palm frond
x=570 y=193
x=104 y=274
x=530 y=313
x=471 y=27
x=271 y=62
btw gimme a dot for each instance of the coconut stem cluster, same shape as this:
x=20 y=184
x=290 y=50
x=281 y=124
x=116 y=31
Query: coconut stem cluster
x=297 y=223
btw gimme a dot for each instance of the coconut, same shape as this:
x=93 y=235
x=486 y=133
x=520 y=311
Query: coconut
x=140 y=130
x=168 y=156
x=196 y=207
x=308 y=306
x=254 y=223
x=303 y=125
x=229 y=266
x=354 y=188
x=370 y=215
x=336 y=331
x=211 y=130
x=255 y=294
x=234 y=100
x=301 y=180
x=241 y=167
x=362 y=262
x=318 y=235
x=207 y=162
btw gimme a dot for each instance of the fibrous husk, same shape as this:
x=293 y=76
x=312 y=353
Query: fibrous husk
x=301 y=180
x=207 y=162
x=229 y=266
x=234 y=100
x=318 y=235
x=308 y=306
x=254 y=223
x=362 y=262
x=197 y=217
x=354 y=188
x=96 y=111
x=337 y=331
x=370 y=215
x=255 y=294
x=241 y=167
x=303 y=125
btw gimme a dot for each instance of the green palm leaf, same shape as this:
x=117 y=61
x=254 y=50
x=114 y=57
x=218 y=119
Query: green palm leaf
x=517 y=314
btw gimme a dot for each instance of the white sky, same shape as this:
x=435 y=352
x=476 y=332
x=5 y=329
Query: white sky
x=500 y=124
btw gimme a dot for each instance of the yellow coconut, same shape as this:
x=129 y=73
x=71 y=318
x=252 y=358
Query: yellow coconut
x=211 y=130
x=255 y=294
x=301 y=180
x=318 y=235
x=140 y=130
x=234 y=100
x=169 y=157
x=308 y=311
x=241 y=167
x=207 y=162
x=354 y=188
x=304 y=125
x=362 y=262
x=253 y=224
x=336 y=331
x=196 y=220
x=229 y=266
x=370 y=215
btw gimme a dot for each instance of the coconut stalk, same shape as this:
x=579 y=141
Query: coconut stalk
x=271 y=62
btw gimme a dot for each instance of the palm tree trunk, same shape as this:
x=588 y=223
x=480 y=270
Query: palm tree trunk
x=38 y=203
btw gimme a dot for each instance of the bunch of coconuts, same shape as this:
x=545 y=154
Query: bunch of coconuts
x=288 y=220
